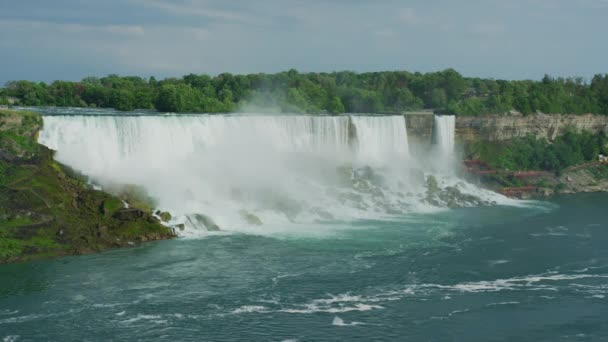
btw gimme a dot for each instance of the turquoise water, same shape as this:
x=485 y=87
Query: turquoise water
x=537 y=273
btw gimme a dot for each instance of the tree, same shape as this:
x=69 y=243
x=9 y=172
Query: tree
x=335 y=106
x=439 y=99
x=369 y=92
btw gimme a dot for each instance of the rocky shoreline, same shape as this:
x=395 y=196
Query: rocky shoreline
x=587 y=178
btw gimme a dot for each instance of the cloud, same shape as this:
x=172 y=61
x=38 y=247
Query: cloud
x=69 y=39
x=192 y=8
x=412 y=17
x=124 y=30
x=490 y=30
x=70 y=28
x=384 y=32
x=409 y=16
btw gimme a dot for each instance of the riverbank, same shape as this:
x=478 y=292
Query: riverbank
x=586 y=178
x=47 y=210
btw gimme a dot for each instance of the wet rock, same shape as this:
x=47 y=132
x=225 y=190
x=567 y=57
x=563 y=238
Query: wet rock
x=450 y=196
x=165 y=216
x=251 y=218
x=205 y=221
x=130 y=214
x=6 y=156
x=432 y=186
x=180 y=226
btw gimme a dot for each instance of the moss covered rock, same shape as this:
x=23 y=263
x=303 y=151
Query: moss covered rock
x=45 y=211
x=165 y=216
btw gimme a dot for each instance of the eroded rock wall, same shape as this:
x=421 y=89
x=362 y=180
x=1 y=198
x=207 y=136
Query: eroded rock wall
x=506 y=127
x=419 y=128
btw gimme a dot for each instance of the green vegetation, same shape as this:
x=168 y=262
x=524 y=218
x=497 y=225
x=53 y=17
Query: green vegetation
x=337 y=92
x=530 y=153
x=45 y=211
x=165 y=216
x=600 y=172
x=112 y=205
x=136 y=196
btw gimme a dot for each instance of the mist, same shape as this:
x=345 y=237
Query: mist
x=284 y=170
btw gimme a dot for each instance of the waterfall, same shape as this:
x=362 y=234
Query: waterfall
x=381 y=139
x=444 y=133
x=280 y=170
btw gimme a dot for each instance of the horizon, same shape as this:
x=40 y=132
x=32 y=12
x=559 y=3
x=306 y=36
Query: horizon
x=515 y=40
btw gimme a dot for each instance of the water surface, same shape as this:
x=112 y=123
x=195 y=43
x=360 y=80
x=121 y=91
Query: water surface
x=533 y=273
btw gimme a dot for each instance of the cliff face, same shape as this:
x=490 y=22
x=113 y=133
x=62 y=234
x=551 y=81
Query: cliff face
x=491 y=130
x=46 y=210
x=505 y=127
x=419 y=128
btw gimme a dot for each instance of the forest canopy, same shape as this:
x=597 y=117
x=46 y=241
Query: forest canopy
x=337 y=92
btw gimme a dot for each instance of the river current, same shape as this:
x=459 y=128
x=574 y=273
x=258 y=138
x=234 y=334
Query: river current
x=360 y=255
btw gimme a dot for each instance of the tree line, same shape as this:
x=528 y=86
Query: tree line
x=337 y=92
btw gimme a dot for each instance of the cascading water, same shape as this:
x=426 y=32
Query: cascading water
x=444 y=133
x=381 y=139
x=243 y=170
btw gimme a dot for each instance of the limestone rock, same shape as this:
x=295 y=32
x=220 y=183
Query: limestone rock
x=515 y=125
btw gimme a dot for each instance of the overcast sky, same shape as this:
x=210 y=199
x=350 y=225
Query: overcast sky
x=44 y=40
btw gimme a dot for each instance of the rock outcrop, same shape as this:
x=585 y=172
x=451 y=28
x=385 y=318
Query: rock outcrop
x=46 y=211
x=200 y=220
x=419 y=128
x=515 y=125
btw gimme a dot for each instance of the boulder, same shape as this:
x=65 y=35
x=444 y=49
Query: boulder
x=130 y=214
x=251 y=218
x=180 y=226
x=432 y=186
x=205 y=221
x=165 y=216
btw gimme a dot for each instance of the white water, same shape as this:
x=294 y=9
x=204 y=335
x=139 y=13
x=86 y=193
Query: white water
x=286 y=170
x=381 y=139
x=444 y=133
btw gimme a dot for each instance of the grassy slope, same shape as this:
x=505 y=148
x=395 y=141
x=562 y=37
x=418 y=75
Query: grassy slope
x=46 y=211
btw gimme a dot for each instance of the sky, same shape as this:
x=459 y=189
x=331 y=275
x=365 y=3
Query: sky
x=43 y=40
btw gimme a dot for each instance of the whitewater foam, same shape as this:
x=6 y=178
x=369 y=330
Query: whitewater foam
x=281 y=171
x=337 y=321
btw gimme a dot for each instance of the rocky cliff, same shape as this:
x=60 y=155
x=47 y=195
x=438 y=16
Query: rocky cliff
x=419 y=128
x=47 y=210
x=509 y=126
x=493 y=131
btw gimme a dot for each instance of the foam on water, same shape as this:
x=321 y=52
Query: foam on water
x=339 y=322
x=284 y=170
